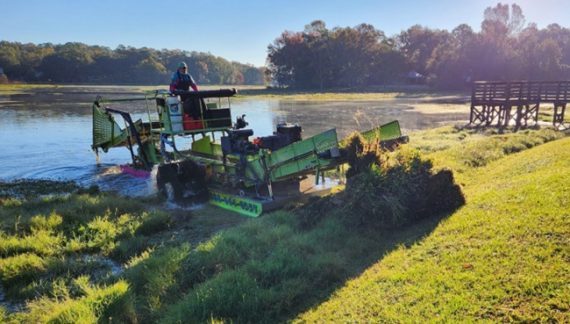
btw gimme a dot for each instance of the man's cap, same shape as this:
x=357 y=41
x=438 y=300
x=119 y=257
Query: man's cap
x=182 y=65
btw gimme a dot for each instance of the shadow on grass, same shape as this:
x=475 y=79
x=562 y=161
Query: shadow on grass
x=266 y=270
x=387 y=241
x=272 y=268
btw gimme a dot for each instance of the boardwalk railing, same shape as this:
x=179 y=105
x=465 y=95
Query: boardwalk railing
x=500 y=103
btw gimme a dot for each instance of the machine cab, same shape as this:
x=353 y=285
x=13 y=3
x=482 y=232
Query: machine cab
x=189 y=112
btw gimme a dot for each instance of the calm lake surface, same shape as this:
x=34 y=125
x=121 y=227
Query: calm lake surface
x=46 y=133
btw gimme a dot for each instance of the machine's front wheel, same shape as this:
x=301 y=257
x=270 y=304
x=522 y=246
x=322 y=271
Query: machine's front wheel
x=184 y=182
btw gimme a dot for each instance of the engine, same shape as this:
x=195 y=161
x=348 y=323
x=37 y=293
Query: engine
x=237 y=140
x=286 y=134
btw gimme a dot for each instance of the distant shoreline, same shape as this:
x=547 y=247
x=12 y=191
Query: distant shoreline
x=391 y=92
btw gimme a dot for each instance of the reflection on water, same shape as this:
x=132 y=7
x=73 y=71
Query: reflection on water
x=47 y=134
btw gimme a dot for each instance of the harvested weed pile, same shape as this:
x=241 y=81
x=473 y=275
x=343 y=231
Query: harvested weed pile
x=386 y=189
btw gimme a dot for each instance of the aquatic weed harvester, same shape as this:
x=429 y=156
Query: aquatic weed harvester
x=222 y=164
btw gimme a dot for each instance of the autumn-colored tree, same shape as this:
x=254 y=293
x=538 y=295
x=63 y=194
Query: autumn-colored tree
x=506 y=48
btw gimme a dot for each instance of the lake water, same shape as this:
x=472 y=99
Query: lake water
x=46 y=134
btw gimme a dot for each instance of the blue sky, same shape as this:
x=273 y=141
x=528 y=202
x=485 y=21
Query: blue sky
x=236 y=30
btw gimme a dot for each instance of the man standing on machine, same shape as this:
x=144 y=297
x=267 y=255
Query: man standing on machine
x=182 y=80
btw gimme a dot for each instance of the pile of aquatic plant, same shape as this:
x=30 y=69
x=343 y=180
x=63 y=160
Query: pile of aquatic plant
x=387 y=189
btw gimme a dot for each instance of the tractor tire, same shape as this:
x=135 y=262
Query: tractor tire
x=185 y=182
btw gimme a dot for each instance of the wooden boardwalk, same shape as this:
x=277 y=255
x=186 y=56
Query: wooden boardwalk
x=517 y=102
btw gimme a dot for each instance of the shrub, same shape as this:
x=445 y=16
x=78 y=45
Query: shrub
x=3 y=314
x=99 y=234
x=127 y=248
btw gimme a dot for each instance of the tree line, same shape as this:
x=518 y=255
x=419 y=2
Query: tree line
x=81 y=63
x=506 y=48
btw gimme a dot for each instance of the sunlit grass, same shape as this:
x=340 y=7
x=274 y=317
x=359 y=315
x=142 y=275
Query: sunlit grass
x=7 y=89
x=55 y=237
x=154 y=276
x=109 y=303
x=477 y=151
x=502 y=257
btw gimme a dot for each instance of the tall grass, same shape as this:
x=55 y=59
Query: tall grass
x=154 y=277
x=108 y=304
x=45 y=240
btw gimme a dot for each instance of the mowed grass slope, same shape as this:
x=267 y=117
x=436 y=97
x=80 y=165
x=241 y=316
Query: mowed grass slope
x=504 y=256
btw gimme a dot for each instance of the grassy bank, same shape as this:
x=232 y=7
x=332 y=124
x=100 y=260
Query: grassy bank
x=87 y=256
x=505 y=256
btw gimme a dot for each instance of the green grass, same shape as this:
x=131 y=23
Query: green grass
x=407 y=254
x=503 y=257
x=54 y=237
x=93 y=304
x=17 y=88
x=466 y=150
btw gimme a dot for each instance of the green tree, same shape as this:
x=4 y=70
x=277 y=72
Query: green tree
x=418 y=43
x=9 y=58
x=451 y=64
x=67 y=63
